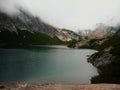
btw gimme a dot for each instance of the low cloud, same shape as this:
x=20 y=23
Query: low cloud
x=8 y=6
x=71 y=14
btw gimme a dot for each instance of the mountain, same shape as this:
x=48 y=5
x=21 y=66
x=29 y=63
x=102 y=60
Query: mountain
x=107 y=60
x=85 y=32
x=103 y=31
x=93 y=39
x=106 y=40
x=23 y=28
x=68 y=35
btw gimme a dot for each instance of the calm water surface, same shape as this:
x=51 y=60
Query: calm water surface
x=46 y=64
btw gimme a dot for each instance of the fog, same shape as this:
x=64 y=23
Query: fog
x=71 y=14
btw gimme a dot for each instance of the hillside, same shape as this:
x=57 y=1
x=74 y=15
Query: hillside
x=93 y=39
x=24 y=28
x=107 y=61
x=101 y=31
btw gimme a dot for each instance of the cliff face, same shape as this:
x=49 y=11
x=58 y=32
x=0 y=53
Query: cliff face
x=101 y=58
x=107 y=61
x=24 y=21
x=67 y=35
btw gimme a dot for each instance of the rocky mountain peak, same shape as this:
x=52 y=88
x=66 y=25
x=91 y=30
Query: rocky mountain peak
x=26 y=21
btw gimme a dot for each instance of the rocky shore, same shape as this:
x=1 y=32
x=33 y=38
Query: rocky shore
x=33 y=86
x=107 y=61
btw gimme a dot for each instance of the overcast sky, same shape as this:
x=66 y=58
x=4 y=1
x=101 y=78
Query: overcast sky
x=71 y=14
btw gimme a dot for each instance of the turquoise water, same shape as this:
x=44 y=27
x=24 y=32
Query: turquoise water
x=46 y=64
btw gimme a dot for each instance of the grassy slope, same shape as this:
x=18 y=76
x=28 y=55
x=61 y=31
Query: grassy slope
x=25 y=37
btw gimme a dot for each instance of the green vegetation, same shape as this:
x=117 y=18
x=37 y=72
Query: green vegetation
x=110 y=73
x=86 y=38
x=72 y=43
x=113 y=41
x=24 y=37
x=115 y=51
x=94 y=56
x=70 y=32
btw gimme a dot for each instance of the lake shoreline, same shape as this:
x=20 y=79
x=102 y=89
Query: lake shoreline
x=4 y=45
x=42 y=64
x=53 y=86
